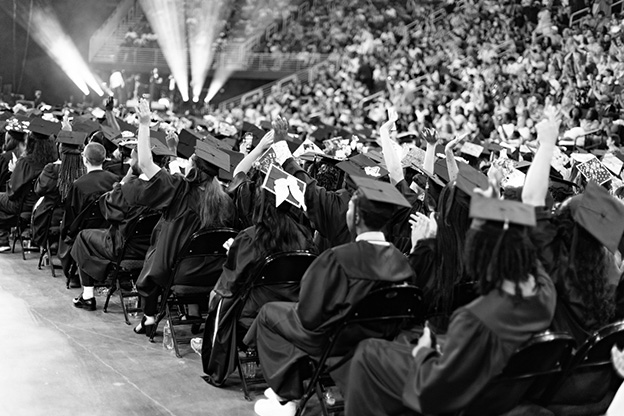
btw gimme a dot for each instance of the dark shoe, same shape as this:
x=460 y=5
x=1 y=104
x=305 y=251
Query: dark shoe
x=82 y=303
x=144 y=329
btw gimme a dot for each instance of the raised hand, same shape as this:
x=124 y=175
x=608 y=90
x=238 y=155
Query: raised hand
x=110 y=103
x=456 y=142
x=267 y=141
x=144 y=112
x=548 y=129
x=280 y=125
x=429 y=135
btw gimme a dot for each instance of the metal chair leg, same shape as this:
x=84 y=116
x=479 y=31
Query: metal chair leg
x=242 y=376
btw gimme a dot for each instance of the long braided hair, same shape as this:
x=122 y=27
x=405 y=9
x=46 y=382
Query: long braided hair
x=71 y=169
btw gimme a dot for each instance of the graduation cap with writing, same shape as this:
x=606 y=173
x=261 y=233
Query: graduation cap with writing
x=361 y=165
x=213 y=155
x=285 y=187
x=43 y=129
x=502 y=211
x=380 y=192
x=73 y=139
x=600 y=214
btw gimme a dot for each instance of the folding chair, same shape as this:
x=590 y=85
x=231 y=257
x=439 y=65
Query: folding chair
x=205 y=247
x=138 y=235
x=21 y=222
x=384 y=309
x=590 y=376
x=283 y=270
x=89 y=218
x=52 y=232
x=526 y=373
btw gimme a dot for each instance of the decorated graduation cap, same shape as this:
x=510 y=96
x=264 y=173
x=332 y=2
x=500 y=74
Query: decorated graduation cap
x=361 y=165
x=502 y=211
x=285 y=187
x=600 y=214
x=380 y=192
x=212 y=155
x=44 y=129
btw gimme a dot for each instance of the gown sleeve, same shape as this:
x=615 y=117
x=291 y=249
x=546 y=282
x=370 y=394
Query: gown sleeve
x=47 y=183
x=445 y=383
x=422 y=260
x=240 y=260
x=157 y=193
x=323 y=286
x=325 y=209
x=20 y=179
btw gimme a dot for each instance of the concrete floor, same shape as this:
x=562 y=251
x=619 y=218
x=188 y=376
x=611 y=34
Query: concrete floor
x=59 y=360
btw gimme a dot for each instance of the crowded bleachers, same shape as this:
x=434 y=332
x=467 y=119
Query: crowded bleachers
x=431 y=224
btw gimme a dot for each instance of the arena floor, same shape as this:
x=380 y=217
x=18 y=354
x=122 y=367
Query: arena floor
x=59 y=360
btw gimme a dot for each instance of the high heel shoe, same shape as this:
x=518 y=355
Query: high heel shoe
x=144 y=329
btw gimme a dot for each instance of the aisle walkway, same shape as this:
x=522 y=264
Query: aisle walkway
x=59 y=360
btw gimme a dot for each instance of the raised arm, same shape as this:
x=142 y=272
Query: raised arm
x=246 y=164
x=144 y=148
x=536 y=182
x=431 y=137
x=392 y=159
x=451 y=163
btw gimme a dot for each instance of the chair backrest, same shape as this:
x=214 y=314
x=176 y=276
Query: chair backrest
x=537 y=360
x=393 y=302
x=587 y=379
x=140 y=231
x=201 y=258
x=28 y=198
x=282 y=268
x=90 y=217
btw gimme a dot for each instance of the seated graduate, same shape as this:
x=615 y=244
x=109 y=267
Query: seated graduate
x=54 y=183
x=13 y=147
x=40 y=150
x=574 y=243
x=288 y=334
x=86 y=189
x=95 y=249
x=517 y=300
x=188 y=204
x=276 y=229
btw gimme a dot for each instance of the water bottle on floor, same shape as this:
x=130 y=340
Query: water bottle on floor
x=167 y=338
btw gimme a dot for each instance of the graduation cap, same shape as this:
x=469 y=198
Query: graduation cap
x=380 y=192
x=501 y=210
x=235 y=159
x=285 y=187
x=186 y=143
x=123 y=126
x=86 y=126
x=361 y=165
x=600 y=214
x=322 y=133
x=468 y=178
x=71 y=138
x=159 y=135
x=5 y=115
x=266 y=125
x=213 y=155
x=44 y=129
x=160 y=149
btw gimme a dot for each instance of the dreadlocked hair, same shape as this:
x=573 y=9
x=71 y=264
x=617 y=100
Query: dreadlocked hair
x=276 y=229
x=71 y=169
x=581 y=262
x=493 y=255
x=453 y=222
x=43 y=151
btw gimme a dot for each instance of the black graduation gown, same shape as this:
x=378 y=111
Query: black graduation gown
x=46 y=187
x=286 y=333
x=26 y=170
x=569 y=315
x=94 y=250
x=5 y=173
x=385 y=379
x=82 y=192
x=116 y=167
x=218 y=358
x=398 y=230
x=326 y=210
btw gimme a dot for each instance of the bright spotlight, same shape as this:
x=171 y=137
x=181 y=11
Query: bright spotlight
x=47 y=31
x=206 y=19
x=167 y=20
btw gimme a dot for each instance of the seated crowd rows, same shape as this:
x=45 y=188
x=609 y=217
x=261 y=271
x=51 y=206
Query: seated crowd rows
x=545 y=255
